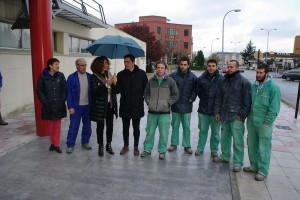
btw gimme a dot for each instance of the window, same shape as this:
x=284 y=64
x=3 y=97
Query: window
x=25 y=38
x=172 y=44
x=158 y=29
x=186 y=45
x=83 y=45
x=172 y=31
x=186 y=32
x=17 y=38
x=54 y=42
x=78 y=45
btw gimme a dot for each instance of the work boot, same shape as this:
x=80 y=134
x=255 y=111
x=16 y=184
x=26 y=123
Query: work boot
x=172 y=148
x=218 y=159
x=162 y=156
x=236 y=169
x=188 y=150
x=2 y=122
x=145 y=154
x=52 y=147
x=70 y=150
x=198 y=153
x=86 y=146
x=100 y=150
x=259 y=177
x=214 y=154
x=57 y=149
x=109 y=149
x=124 y=150
x=249 y=169
x=136 y=151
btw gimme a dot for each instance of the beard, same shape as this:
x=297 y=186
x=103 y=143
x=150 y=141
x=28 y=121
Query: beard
x=262 y=79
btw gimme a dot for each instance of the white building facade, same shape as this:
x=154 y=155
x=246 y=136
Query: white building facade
x=69 y=41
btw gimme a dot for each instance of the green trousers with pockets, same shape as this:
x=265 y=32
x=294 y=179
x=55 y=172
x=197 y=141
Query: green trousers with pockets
x=259 y=147
x=162 y=121
x=233 y=130
x=203 y=124
x=185 y=119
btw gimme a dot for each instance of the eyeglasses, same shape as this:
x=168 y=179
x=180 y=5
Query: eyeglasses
x=82 y=65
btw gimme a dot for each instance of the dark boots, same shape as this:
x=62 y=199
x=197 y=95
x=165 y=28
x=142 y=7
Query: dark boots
x=54 y=148
x=109 y=149
x=2 y=122
x=100 y=150
x=57 y=149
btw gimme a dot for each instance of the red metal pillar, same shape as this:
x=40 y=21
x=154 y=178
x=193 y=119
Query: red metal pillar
x=40 y=12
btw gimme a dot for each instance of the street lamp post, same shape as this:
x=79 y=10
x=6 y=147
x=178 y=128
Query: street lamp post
x=268 y=31
x=235 y=43
x=236 y=10
x=212 y=45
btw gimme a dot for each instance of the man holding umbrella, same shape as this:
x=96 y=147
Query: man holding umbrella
x=130 y=83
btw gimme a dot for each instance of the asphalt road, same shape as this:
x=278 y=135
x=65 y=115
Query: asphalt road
x=288 y=89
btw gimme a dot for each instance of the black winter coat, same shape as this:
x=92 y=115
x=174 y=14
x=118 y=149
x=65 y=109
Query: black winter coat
x=131 y=86
x=52 y=92
x=207 y=89
x=99 y=100
x=234 y=98
x=187 y=93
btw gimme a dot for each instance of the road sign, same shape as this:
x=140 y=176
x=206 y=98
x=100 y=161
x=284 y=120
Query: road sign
x=258 y=55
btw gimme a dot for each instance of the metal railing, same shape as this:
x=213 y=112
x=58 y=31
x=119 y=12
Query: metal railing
x=92 y=9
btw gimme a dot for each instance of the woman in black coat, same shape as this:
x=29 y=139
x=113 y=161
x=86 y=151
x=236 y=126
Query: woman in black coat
x=52 y=92
x=103 y=102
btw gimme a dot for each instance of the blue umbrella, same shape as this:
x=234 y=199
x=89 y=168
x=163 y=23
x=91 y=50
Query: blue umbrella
x=115 y=46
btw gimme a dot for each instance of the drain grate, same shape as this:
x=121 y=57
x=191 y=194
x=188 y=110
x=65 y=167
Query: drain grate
x=283 y=127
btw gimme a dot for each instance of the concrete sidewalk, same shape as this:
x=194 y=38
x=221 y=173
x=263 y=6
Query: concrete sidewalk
x=283 y=181
x=29 y=171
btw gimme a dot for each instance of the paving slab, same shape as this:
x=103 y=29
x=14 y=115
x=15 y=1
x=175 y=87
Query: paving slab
x=30 y=171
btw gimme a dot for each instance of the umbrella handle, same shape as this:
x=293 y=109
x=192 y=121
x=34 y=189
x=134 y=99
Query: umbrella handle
x=115 y=69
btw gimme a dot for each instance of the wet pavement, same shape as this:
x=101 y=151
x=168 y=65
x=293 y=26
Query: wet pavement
x=28 y=170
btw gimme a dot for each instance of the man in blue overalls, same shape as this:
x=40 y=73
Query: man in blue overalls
x=78 y=101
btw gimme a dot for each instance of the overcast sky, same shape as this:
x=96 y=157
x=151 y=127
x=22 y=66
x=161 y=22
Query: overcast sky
x=206 y=17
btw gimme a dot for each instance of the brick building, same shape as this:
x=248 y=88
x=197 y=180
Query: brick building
x=176 y=38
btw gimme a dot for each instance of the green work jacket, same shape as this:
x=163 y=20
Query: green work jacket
x=265 y=103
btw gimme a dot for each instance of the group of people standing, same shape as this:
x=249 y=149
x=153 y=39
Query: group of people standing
x=225 y=103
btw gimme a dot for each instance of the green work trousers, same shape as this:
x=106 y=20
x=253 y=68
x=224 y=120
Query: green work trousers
x=233 y=130
x=162 y=121
x=259 y=147
x=203 y=124
x=185 y=119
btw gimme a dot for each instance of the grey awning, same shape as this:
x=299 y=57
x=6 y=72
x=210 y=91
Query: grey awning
x=90 y=15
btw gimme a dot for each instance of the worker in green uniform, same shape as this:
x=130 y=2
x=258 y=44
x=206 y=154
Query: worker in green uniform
x=265 y=96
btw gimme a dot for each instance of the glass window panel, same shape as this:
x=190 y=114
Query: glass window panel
x=54 y=42
x=74 y=45
x=172 y=31
x=26 y=39
x=186 y=32
x=186 y=45
x=9 y=38
x=83 y=45
x=158 y=30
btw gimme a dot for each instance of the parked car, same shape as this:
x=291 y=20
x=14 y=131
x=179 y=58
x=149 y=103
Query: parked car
x=252 y=68
x=242 y=69
x=291 y=75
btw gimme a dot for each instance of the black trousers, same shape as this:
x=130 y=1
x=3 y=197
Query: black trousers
x=109 y=127
x=136 y=130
